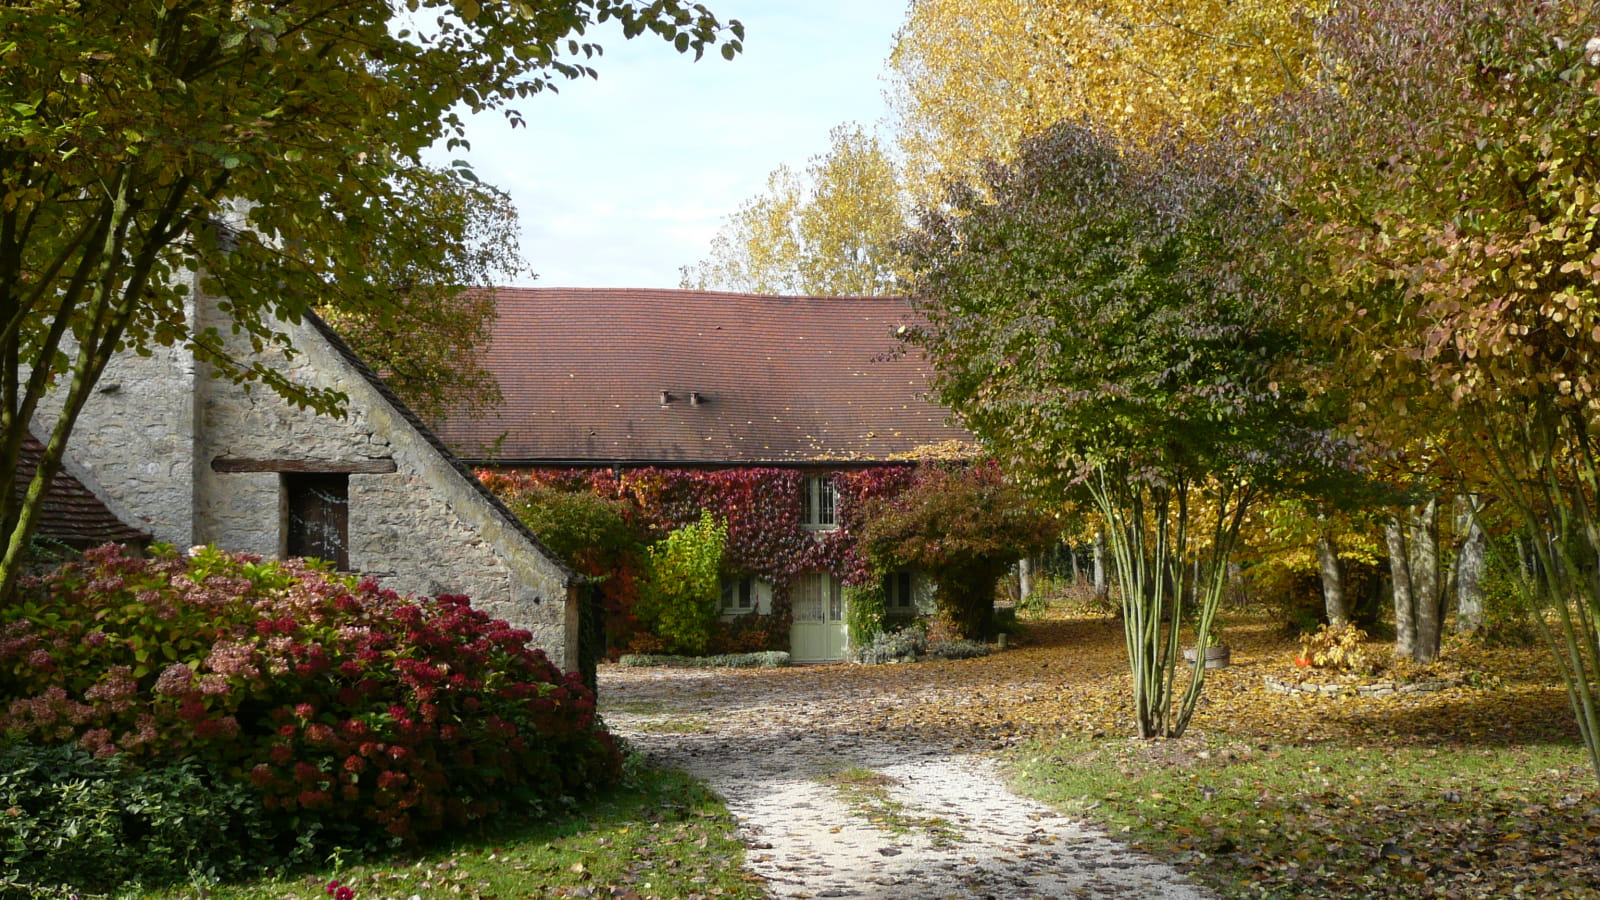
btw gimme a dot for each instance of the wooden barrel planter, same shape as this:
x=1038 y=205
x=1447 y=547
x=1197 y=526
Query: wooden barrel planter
x=1215 y=657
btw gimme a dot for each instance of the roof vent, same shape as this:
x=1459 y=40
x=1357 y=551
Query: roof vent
x=696 y=398
x=666 y=397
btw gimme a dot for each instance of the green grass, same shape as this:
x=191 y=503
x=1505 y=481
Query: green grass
x=1332 y=820
x=673 y=726
x=660 y=835
x=867 y=794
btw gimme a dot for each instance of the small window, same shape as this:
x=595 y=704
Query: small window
x=818 y=499
x=318 y=517
x=746 y=595
x=897 y=593
x=738 y=596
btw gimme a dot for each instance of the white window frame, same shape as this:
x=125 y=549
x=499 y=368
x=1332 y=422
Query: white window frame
x=825 y=591
x=750 y=588
x=819 y=503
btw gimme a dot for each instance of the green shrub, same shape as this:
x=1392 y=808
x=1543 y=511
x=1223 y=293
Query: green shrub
x=864 y=611
x=682 y=603
x=767 y=659
x=359 y=717
x=905 y=645
x=71 y=822
x=580 y=526
x=957 y=650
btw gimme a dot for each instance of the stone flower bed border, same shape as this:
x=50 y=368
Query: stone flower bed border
x=1388 y=688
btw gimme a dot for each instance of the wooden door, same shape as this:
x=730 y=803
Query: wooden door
x=319 y=517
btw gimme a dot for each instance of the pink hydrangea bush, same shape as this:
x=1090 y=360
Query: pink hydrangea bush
x=342 y=703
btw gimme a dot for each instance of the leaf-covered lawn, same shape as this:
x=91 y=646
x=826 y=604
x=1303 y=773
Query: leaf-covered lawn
x=1478 y=790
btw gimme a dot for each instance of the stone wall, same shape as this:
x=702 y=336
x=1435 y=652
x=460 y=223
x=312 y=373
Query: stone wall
x=134 y=442
x=424 y=528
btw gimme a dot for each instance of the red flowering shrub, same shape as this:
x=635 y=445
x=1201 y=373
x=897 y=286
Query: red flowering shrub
x=346 y=706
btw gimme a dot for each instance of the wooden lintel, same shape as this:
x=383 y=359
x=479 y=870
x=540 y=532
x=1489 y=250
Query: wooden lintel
x=321 y=466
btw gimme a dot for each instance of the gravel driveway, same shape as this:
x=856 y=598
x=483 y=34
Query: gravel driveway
x=837 y=800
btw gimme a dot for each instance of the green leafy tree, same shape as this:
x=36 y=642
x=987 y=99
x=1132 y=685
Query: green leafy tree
x=962 y=525
x=1093 y=316
x=682 y=600
x=1447 y=182
x=828 y=232
x=269 y=147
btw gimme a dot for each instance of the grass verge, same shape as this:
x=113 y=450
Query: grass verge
x=867 y=793
x=1254 y=819
x=660 y=835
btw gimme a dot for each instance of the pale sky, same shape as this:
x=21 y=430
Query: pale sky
x=620 y=181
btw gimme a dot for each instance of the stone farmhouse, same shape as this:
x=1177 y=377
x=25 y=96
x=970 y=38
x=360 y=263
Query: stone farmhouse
x=629 y=379
x=187 y=459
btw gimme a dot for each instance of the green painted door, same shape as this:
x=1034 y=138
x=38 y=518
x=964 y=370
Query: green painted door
x=818 y=633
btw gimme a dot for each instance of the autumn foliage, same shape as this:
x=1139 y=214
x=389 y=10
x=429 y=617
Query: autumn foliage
x=952 y=523
x=350 y=709
x=965 y=526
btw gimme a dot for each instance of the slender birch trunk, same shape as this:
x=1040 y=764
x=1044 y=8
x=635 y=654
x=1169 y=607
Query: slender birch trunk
x=1332 y=581
x=1469 y=566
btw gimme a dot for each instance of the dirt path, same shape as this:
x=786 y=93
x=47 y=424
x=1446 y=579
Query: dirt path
x=837 y=797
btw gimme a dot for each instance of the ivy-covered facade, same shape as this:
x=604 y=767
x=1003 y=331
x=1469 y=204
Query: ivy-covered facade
x=794 y=574
x=779 y=415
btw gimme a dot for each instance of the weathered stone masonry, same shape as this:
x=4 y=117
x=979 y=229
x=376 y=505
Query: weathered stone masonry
x=197 y=460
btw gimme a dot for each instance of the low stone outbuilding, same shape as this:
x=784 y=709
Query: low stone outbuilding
x=192 y=459
x=74 y=516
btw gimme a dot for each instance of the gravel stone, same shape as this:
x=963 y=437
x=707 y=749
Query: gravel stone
x=765 y=745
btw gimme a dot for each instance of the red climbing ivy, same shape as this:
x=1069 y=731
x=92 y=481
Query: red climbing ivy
x=762 y=509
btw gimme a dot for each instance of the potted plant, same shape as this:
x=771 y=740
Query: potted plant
x=1216 y=653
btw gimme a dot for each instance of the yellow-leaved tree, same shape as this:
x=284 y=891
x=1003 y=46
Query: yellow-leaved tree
x=969 y=78
x=829 y=230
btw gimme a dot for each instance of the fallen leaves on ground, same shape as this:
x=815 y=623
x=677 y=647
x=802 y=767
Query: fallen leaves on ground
x=1480 y=789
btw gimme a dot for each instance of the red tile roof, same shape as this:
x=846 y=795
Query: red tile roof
x=778 y=379
x=71 y=514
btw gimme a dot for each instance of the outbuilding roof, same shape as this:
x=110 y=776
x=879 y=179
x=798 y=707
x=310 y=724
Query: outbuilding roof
x=700 y=377
x=71 y=513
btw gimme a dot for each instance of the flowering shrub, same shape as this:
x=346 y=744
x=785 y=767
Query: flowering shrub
x=348 y=708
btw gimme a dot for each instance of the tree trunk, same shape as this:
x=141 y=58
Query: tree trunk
x=1469 y=567
x=1427 y=583
x=1100 y=589
x=1072 y=564
x=1405 y=619
x=1024 y=580
x=1332 y=581
x=966 y=599
x=1413 y=542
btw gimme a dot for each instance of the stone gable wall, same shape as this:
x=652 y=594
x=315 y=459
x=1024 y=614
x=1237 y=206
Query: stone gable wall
x=134 y=442
x=421 y=529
